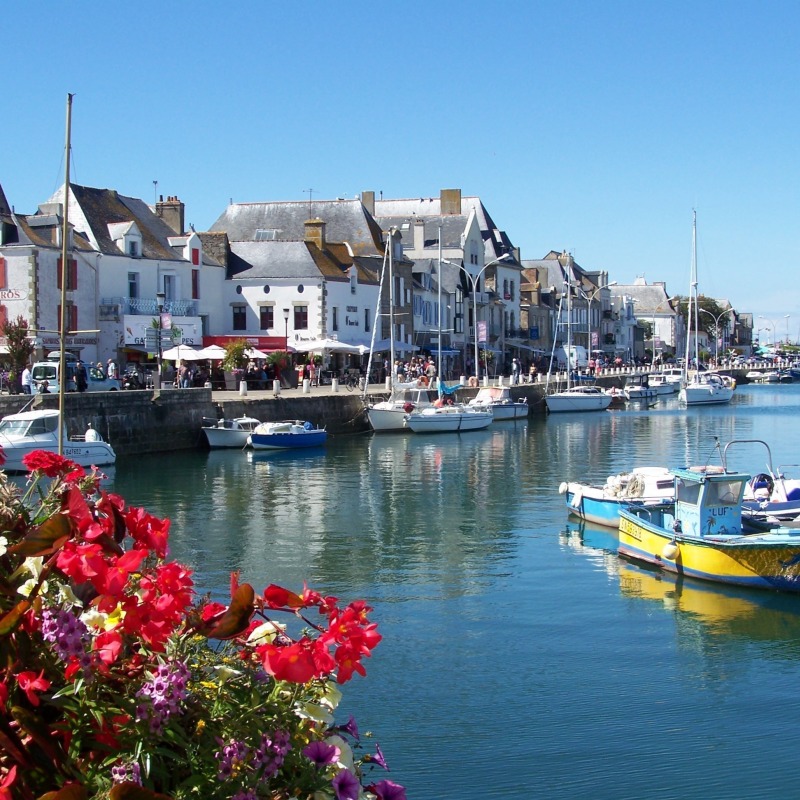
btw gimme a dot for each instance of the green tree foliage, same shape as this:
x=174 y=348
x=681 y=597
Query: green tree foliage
x=20 y=346
x=707 y=321
x=235 y=357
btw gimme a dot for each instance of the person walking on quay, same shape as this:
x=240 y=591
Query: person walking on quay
x=515 y=368
x=26 y=380
x=111 y=369
x=81 y=378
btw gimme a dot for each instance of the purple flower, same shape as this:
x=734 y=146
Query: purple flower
x=346 y=785
x=350 y=727
x=321 y=753
x=377 y=758
x=386 y=790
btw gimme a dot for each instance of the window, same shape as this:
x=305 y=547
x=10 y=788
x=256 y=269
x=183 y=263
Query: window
x=3 y=316
x=367 y=325
x=72 y=275
x=240 y=318
x=133 y=285
x=300 y=318
x=266 y=317
x=334 y=318
x=195 y=256
x=170 y=287
x=133 y=249
x=266 y=234
x=72 y=317
x=3 y=274
x=195 y=284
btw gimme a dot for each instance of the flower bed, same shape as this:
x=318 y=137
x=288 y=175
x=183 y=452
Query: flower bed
x=117 y=681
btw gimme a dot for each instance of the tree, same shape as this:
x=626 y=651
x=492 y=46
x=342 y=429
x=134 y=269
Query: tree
x=20 y=346
x=706 y=322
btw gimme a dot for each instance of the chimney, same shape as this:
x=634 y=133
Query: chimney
x=171 y=211
x=419 y=235
x=315 y=232
x=450 y=201
x=368 y=201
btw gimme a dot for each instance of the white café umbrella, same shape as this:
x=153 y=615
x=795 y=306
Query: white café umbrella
x=254 y=352
x=181 y=352
x=331 y=345
x=213 y=352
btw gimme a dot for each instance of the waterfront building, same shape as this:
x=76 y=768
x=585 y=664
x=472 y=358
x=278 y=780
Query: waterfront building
x=480 y=278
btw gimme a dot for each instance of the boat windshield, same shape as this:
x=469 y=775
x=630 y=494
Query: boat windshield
x=14 y=427
x=28 y=427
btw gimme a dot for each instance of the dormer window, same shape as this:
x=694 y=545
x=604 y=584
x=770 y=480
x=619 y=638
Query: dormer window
x=133 y=249
x=127 y=237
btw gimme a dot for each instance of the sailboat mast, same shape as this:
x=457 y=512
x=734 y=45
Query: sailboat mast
x=692 y=287
x=62 y=356
x=569 y=321
x=391 y=301
x=439 y=312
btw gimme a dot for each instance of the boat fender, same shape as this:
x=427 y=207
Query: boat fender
x=671 y=551
x=423 y=381
x=562 y=487
x=408 y=407
x=91 y=434
x=473 y=382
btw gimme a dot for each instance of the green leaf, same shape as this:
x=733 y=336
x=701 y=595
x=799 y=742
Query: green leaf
x=10 y=621
x=236 y=618
x=45 y=538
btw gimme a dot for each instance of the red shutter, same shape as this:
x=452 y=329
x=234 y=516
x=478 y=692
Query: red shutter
x=3 y=276
x=196 y=256
x=3 y=315
x=58 y=277
x=195 y=284
x=58 y=316
x=73 y=272
x=73 y=318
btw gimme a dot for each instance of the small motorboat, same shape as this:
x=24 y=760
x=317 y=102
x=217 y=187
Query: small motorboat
x=578 y=398
x=662 y=384
x=229 y=432
x=285 y=435
x=703 y=534
x=499 y=400
x=455 y=418
x=27 y=431
x=601 y=504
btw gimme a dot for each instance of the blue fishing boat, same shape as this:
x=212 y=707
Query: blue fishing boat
x=286 y=435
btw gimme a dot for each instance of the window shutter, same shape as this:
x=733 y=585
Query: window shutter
x=3 y=317
x=3 y=277
x=73 y=318
x=58 y=278
x=196 y=256
x=73 y=274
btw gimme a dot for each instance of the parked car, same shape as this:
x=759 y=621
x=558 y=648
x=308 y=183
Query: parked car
x=49 y=371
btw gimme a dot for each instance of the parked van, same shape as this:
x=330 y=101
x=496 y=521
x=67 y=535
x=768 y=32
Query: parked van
x=49 y=371
x=578 y=357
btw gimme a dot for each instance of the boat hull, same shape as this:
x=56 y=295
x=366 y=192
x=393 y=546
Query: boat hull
x=383 y=420
x=562 y=402
x=86 y=454
x=705 y=396
x=445 y=420
x=287 y=441
x=769 y=560
x=220 y=438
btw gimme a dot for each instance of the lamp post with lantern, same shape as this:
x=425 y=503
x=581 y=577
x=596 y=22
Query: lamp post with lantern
x=161 y=299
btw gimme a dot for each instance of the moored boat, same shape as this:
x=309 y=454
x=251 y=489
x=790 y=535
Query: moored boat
x=390 y=414
x=662 y=383
x=578 y=398
x=601 y=504
x=27 y=431
x=285 y=435
x=498 y=399
x=701 y=534
x=229 y=432
x=456 y=418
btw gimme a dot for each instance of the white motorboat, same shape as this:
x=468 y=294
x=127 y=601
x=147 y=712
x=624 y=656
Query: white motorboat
x=662 y=383
x=390 y=414
x=578 y=398
x=286 y=435
x=27 y=431
x=229 y=432
x=499 y=400
x=449 y=419
x=638 y=389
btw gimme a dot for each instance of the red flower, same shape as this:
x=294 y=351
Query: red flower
x=108 y=646
x=298 y=662
x=30 y=683
x=51 y=464
x=148 y=530
x=8 y=780
x=278 y=597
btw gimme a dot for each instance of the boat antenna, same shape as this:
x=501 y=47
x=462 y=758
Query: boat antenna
x=62 y=330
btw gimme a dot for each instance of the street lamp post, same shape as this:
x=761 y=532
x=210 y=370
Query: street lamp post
x=160 y=300
x=286 y=328
x=770 y=322
x=473 y=279
x=716 y=318
x=786 y=317
x=589 y=298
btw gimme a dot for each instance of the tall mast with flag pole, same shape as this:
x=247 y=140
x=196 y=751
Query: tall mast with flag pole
x=62 y=337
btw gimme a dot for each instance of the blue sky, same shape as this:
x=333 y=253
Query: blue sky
x=594 y=127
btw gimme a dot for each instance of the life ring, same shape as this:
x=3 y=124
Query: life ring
x=473 y=382
x=422 y=380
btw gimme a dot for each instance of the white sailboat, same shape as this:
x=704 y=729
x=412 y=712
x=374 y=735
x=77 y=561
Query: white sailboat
x=573 y=398
x=702 y=388
x=390 y=414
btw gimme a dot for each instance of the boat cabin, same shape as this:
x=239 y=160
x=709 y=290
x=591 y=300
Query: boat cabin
x=708 y=501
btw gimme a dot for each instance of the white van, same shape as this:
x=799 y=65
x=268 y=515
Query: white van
x=578 y=357
x=49 y=371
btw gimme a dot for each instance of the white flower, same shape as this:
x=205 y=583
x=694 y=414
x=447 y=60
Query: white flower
x=33 y=565
x=3 y=545
x=26 y=588
x=226 y=673
x=332 y=696
x=345 y=751
x=265 y=633
x=314 y=711
x=67 y=597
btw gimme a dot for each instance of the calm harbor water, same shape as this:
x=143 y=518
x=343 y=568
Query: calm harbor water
x=521 y=657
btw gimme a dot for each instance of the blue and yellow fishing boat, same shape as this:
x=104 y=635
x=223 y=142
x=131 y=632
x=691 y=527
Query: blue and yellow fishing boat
x=700 y=534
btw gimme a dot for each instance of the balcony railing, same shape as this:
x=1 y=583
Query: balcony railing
x=147 y=307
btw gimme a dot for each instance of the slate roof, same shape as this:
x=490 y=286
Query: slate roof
x=5 y=208
x=345 y=221
x=648 y=298
x=496 y=241
x=104 y=207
